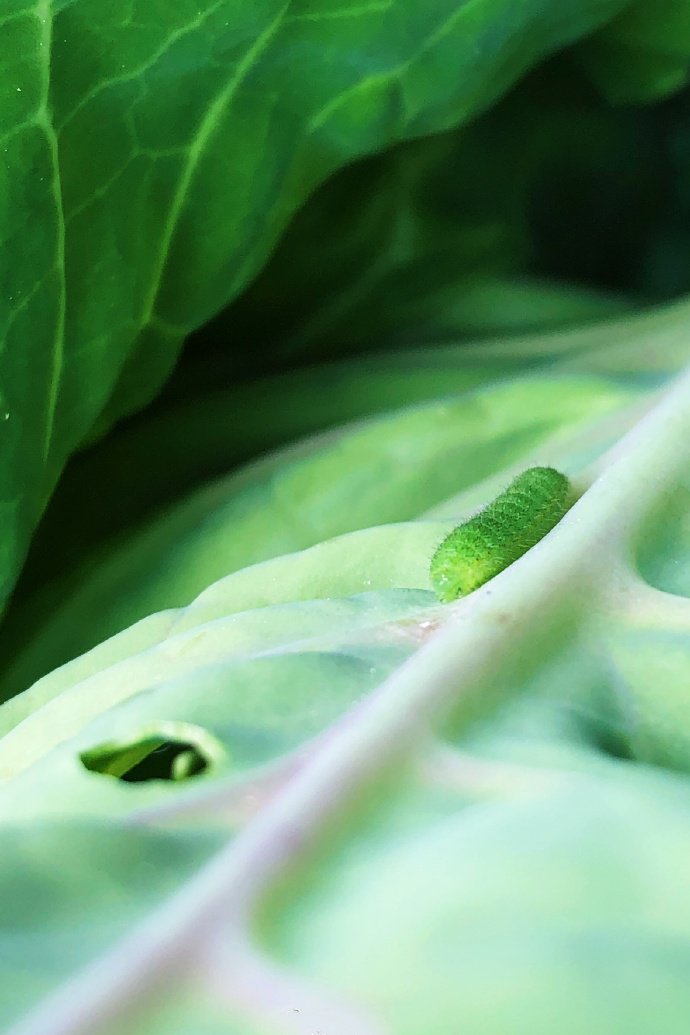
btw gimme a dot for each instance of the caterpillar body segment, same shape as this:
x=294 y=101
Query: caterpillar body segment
x=500 y=533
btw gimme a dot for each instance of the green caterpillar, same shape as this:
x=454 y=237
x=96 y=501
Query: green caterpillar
x=495 y=537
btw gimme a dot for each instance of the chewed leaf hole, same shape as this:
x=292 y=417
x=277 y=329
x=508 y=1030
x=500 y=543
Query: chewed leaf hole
x=152 y=756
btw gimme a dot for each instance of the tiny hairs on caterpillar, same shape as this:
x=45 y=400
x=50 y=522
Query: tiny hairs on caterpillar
x=500 y=533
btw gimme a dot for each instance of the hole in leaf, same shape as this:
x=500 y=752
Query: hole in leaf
x=151 y=756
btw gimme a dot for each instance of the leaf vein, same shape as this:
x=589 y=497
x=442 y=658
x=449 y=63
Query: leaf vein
x=44 y=119
x=197 y=148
